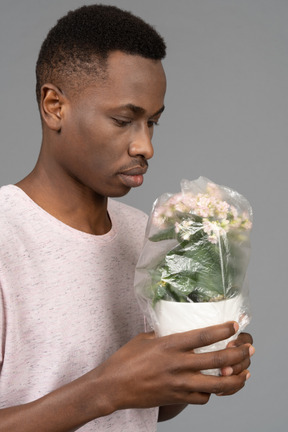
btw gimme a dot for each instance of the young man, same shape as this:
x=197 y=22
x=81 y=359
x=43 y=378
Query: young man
x=72 y=351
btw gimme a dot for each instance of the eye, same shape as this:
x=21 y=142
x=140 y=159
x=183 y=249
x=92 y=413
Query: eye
x=121 y=123
x=152 y=123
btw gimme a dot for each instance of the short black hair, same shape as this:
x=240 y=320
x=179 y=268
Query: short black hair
x=87 y=35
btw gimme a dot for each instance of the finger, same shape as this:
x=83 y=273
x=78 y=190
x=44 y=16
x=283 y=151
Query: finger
x=197 y=398
x=242 y=338
x=246 y=374
x=220 y=385
x=220 y=359
x=236 y=369
x=192 y=339
x=239 y=367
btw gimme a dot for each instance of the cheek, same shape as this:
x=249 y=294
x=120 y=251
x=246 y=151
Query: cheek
x=100 y=154
x=97 y=144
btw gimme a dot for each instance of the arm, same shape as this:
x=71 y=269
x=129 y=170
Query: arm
x=144 y=373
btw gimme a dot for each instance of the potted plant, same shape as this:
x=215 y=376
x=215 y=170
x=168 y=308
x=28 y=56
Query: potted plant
x=191 y=273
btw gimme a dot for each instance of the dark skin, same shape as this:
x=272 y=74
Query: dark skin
x=96 y=144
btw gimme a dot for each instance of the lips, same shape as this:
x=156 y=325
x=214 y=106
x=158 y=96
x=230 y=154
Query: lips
x=133 y=177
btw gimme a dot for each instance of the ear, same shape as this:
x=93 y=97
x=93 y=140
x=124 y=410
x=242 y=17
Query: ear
x=51 y=107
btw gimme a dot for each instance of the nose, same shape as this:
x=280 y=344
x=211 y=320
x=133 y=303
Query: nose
x=141 y=144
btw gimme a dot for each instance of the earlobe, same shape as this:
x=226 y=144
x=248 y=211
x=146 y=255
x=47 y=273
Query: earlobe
x=52 y=106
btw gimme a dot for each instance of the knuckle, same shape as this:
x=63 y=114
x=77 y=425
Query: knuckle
x=218 y=359
x=218 y=388
x=240 y=367
x=241 y=353
x=175 y=368
x=170 y=342
x=245 y=352
x=246 y=364
x=204 y=338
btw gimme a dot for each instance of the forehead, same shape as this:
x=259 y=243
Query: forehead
x=121 y=66
x=129 y=79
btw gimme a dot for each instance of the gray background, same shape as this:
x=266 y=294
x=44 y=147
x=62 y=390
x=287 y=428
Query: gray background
x=226 y=119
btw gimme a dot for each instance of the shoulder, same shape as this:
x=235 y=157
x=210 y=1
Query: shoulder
x=13 y=211
x=8 y=208
x=6 y=201
x=8 y=197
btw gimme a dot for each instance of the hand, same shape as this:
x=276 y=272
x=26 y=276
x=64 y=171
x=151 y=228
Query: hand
x=150 y=371
x=146 y=372
x=169 y=411
x=242 y=339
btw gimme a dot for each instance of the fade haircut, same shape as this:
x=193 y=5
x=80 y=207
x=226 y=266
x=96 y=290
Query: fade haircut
x=77 y=47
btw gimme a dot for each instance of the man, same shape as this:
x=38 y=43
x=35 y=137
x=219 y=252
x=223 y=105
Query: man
x=72 y=351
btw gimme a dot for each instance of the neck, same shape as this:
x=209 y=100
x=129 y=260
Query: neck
x=66 y=199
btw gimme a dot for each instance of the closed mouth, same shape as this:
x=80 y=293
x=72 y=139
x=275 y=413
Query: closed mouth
x=135 y=171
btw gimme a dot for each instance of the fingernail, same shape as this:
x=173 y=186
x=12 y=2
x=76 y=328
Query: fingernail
x=251 y=350
x=236 y=326
x=248 y=376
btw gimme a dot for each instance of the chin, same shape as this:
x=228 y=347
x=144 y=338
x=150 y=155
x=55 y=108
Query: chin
x=112 y=191
x=119 y=194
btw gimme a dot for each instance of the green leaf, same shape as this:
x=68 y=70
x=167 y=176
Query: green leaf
x=167 y=234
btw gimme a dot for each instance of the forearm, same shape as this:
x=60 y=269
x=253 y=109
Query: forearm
x=146 y=372
x=63 y=410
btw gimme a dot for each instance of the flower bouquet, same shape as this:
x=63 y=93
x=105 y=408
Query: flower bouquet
x=191 y=272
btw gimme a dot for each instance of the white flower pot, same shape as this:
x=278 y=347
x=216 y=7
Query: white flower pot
x=171 y=317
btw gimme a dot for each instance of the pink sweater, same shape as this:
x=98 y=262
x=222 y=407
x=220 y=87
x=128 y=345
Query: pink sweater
x=66 y=302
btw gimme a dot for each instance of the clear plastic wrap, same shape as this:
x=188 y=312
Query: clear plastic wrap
x=192 y=270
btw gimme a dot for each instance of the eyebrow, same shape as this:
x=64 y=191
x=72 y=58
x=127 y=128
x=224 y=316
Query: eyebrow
x=139 y=110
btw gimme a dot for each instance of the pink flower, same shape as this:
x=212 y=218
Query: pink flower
x=246 y=224
x=207 y=226
x=203 y=204
x=222 y=208
x=213 y=238
x=234 y=212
